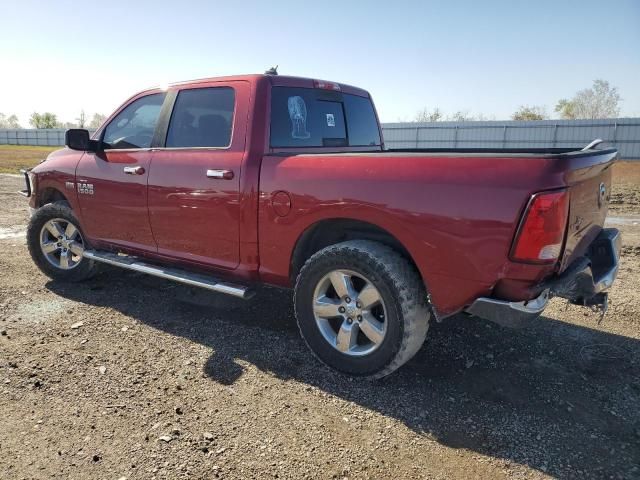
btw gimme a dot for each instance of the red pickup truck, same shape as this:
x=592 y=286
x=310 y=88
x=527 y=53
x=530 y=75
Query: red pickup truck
x=225 y=182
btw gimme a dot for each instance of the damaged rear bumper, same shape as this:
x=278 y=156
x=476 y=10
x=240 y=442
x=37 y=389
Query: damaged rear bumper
x=584 y=283
x=592 y=274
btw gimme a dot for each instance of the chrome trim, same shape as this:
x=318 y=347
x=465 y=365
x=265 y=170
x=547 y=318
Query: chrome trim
x=191 y=148
x=602 y=194
x=593 y=144
x=125 y=150
x=222 y=174
x=137 y=170
x=509 y=314
x=605 y=281
x=180 y=276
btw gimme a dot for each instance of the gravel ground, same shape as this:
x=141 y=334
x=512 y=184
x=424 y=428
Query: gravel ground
x=128 y=376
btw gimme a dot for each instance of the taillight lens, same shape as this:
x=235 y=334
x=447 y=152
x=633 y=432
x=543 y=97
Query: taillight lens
x=541 y=233
x=327 y=85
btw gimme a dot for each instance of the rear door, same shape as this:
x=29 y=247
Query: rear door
x=194 y=184
x=112 y=183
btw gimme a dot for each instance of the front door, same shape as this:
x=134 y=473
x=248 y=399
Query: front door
x=194 y=184
x=112 y=183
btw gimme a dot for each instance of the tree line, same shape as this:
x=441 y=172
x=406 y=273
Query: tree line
x=600 y=101
x=50 y=120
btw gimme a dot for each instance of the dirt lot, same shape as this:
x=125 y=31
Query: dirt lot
x=128 y=376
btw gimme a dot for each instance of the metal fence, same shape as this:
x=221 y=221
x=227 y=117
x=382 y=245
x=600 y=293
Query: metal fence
x=26 y=136
x=621 y=133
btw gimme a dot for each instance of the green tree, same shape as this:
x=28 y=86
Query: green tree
x=426 y=115
x=566 y=109
x=463 y=116
x=599 y=101
x=97 y=120
x=526 y=112
x=437 y=115
x=9 y=122
x=44 y=120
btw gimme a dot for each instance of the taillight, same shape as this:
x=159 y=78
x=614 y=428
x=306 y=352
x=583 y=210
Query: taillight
x=541 y=233
x=326 y=85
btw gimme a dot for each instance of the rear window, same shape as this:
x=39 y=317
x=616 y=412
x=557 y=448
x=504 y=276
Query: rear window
x=308 y=117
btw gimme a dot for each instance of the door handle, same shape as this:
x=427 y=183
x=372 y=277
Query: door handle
x=138 y=170
x=223 y=174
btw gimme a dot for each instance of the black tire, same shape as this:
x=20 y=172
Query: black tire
x=84 y=269
x=401 y=289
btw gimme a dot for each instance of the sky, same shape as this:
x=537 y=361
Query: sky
x=485 y=57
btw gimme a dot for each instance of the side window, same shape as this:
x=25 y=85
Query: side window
x=202 y=117
x=363 y=126
x=133 y=127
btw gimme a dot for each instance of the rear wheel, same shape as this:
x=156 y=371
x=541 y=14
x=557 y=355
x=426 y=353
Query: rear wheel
x=56 y=243
x=361 y=308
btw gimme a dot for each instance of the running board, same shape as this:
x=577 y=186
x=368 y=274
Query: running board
x=177 y=275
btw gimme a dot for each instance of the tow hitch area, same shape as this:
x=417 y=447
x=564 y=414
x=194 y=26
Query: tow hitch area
x=585 y=281
x=597 y=303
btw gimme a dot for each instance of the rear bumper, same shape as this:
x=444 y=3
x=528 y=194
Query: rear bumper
x=592 y=274
x=509 y=314
x=583 y=283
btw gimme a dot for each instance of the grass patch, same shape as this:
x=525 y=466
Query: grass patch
x=15 y=157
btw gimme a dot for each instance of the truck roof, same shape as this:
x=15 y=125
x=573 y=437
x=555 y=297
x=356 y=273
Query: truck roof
x=276 y=80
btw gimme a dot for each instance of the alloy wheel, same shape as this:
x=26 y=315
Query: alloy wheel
x=350 y=312
x=61 y=243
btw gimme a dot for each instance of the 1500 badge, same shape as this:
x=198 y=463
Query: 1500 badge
x=86 y=188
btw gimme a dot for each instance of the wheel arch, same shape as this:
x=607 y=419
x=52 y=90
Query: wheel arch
x=50 y=195
x=330 y=231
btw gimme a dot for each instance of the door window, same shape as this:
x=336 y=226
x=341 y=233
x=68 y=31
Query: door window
x=202 y=117
x=133 y=127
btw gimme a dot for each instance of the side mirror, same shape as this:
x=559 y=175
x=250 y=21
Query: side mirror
x=78 y=139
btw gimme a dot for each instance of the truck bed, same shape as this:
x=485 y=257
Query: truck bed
x=456 y=211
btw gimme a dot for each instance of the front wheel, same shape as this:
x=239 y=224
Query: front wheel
x=362 y=308
x=56 y=243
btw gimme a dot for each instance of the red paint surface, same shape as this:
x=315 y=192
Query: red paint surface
x=456 y=214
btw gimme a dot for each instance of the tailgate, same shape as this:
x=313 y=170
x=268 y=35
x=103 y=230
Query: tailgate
x=589 y=182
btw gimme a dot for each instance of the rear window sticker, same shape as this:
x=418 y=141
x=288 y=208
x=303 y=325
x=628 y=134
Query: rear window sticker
x=331 y=121
x=298 y=116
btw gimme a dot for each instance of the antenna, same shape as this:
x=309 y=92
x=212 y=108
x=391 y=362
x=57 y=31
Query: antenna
x=272 y=71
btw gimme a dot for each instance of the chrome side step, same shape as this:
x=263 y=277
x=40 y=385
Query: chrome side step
x=177 y=275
